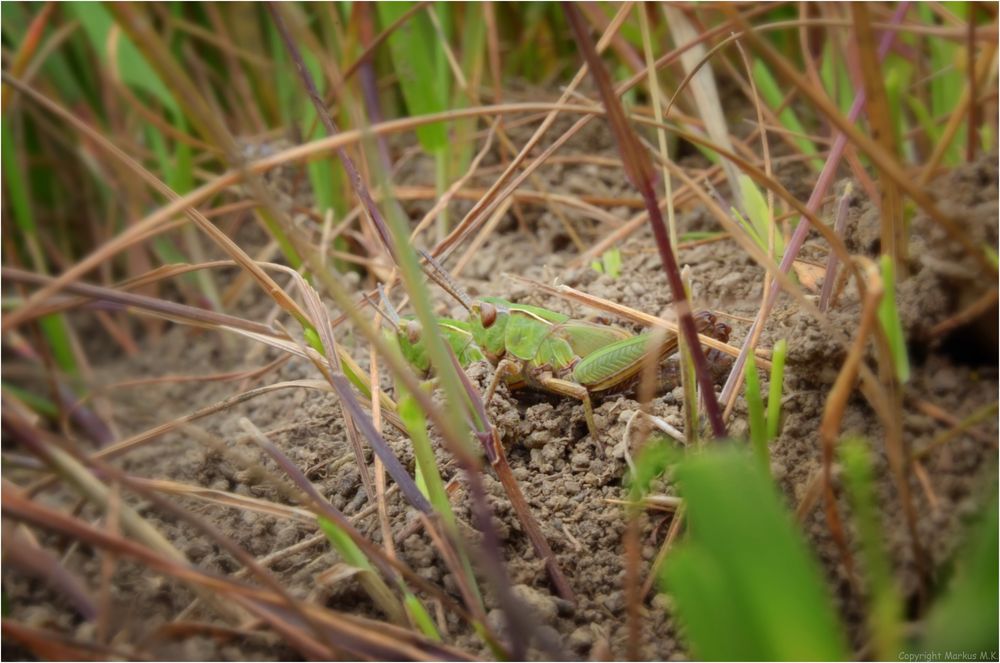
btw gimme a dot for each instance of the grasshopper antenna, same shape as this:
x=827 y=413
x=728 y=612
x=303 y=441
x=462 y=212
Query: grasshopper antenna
x=439 y=275
x=388 y=311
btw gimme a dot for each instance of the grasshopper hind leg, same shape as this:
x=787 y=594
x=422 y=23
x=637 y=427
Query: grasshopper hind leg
x=573 y=390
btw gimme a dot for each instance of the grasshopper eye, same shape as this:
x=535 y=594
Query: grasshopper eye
x=487 y=314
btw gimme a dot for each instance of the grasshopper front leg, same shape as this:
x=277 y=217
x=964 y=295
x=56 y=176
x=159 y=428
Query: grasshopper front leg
x=506 y=367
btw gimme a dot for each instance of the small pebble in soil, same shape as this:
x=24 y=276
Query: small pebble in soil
x=615 y=602
x=541 y=604
x=581 y=639
x=661 y=602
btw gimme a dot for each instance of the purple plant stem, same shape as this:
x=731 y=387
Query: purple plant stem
x=799 y=236
x=639 y=171
x=831 y=264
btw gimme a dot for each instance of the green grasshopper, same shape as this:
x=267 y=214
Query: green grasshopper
x=539 y=349
x=535 y=348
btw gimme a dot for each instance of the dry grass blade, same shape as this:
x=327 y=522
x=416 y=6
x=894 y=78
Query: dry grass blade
x=156 y=222
x=359 y=636
x=823 y=183
x=88 y=485
x=388 y=565
x=139 y=230
x=25 y=555
x=130 y=443
x=703 y=86
x=836 y=402
x=884 y=161
x=27 y=48
x=894 y=239
x=54 y=646
x=227 y=499
x=321 y=323
x=357 y=182
x=167 y=310
x=507 y=182
x=984 y=67
x=839 y=226
x=373 y=584
x=140 y=28
x=493 y=447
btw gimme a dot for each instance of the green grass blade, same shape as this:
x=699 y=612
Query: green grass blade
x=415 y=57
x=367 y=577
x=755 y=410
x=135 y=70
x=760 y=219
x=775 y=389
x=416 y=426
x=888 y=316
x=16 y=184
x=966 y=617
x=420 y=617
x=53 y=327
x=836 y=79
x=773 y=96
x=898 y=75
x=650 y=464
x=610 y=263
x=39 y=404
x=745 y=571
x=884 y=603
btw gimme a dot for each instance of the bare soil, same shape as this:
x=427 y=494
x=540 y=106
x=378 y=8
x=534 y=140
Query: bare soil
x=571 y=480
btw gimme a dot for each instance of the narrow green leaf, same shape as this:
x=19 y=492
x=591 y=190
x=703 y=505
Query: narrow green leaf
x=612 y=262
x=39 y=404
x=344 y=545
x=134 y=68
x=745 y=571
x=371 y=581
x=965 y=619
x=755 y=410
x=775 y=388
x=884 y=602
x=760 y=217
x=419 y=615
x=888 y=316
x=991 y=254
x=650 y=464
x=773 y=96
x=16 y=184
x=415 y=52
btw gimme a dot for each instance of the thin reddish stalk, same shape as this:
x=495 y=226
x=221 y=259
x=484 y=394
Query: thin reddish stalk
x=639 y=170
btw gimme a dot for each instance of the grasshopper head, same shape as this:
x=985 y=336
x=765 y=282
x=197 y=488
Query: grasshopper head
x=412 y=329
